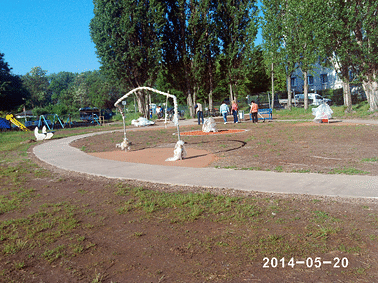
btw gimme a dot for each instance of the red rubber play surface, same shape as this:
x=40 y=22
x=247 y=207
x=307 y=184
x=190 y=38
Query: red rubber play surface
x=220 y=132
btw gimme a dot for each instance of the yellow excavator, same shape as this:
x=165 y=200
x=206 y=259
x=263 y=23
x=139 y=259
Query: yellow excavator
x=13 y=120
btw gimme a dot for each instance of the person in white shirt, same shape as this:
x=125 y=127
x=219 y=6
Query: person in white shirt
x=199 y=113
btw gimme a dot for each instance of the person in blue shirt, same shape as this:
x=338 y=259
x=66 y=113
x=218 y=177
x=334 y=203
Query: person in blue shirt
x=224 y=110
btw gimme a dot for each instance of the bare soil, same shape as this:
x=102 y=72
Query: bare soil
x=114 y=241
x=278 y=146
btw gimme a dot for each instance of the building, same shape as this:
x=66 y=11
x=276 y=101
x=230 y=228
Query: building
x=320 y=78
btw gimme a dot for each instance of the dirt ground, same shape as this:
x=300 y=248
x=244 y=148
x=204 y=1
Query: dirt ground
x=334 y=147
x=102 y=230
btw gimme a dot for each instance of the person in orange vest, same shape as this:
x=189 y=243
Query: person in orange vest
x=253 y=112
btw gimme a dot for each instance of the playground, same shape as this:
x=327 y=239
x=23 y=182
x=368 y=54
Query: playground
x=329 y=148
x=66 y=226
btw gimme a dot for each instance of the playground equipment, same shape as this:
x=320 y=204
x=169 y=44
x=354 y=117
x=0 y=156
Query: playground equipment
x=50 y=124
x=14 y=121
x=179 y=151
x=4 y=124
x=44 y=135
x=91 y=114
x=48 y=120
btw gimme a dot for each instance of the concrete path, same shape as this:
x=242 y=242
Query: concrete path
x=59 y=153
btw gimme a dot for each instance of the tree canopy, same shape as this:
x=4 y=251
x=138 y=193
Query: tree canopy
x=175 y=43
x=301 y=34
x=12 y=93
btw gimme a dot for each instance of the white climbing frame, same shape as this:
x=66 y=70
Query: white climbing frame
x=175 y=118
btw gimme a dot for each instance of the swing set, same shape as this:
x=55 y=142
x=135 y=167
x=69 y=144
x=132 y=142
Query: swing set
x=179 y=148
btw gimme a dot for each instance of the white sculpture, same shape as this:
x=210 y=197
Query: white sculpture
x=179 y=153
x=125 y=145
x=44 y=135
x=48 y=135
x=209 y=125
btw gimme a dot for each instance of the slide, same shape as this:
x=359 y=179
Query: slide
x=13 y=120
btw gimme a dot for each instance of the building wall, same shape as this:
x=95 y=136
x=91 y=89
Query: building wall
x=320 y=78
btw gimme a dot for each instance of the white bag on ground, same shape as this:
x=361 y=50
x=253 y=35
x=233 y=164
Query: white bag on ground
x=322 y=112
x=141 y=121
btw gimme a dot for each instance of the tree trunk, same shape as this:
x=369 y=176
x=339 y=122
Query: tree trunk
x=289 y=94
x=272 y=77
x=210 y=99
x=189 y=102
x=210 y=87
x=194 y=102
x=371 y=90
x=347 y=96
x=346 y=88
x=146 y=108
x=305 y=90
x=236 y=94
x=231 y=94
x=141 y=103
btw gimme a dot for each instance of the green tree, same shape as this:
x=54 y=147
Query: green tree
x=127 y=38
x=300 y=24
x=178 y=49
x=234 y=19
x=276 y=40
x=256 y=79
x=12 y=94
x=364 y=27
x=101 y=92
x=336 y=43
x=37 y=84
x=58 y=83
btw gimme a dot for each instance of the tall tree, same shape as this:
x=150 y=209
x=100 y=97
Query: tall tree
x=128 y=42
x=256 y=79
x=37 y=84
x=12 y=93
x=364 y=27
x=58 y=83
x=233 y=19
x=301 y=22
x=204 y=46
x=273 y=33
x=336 y=42
x=180 y=35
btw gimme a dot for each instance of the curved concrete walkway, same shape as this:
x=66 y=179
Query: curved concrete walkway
x=59 y=153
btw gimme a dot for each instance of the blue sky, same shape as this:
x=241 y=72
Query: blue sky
x=52 y=34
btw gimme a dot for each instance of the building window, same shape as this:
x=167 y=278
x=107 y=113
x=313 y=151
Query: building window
x=310 y=80
x=324 y=78
x=293 y=81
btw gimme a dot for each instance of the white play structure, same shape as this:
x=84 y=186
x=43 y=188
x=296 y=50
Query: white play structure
x=179 y=151
x=44 y=135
